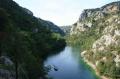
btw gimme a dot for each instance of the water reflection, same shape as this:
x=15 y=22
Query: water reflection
x=68 y=65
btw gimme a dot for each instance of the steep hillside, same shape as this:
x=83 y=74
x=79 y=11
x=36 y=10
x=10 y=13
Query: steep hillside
x=51 y=26
x=66 y=29
x=25 y=41
x=98 y=33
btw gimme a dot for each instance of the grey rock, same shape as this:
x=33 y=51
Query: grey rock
x=5 y=60
x=88 y=16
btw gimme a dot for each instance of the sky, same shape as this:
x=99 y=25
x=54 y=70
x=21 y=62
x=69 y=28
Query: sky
x=60 y=12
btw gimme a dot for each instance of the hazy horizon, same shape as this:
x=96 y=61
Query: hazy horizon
x=62 y=12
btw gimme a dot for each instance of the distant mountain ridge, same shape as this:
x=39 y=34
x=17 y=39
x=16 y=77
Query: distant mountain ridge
x=51 y=26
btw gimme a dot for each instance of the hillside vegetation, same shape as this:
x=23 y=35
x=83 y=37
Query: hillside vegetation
x=97 y=32
x=25 y=42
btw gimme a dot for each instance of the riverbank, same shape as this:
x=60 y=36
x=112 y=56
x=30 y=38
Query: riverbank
x=71 y=68
x=95 y=69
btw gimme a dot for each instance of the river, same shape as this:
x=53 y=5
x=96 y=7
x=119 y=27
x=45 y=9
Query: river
x=68 y=64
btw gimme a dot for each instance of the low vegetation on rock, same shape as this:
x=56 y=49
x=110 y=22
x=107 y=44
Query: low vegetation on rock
x=98 y=33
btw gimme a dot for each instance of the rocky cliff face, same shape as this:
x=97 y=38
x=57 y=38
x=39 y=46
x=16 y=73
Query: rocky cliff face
x=66 y=29
x=89 y=16
x=102 y=25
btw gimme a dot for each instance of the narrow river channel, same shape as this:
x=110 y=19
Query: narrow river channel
x=68 y=64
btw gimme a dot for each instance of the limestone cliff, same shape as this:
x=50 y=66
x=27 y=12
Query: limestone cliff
x=66 y=29
x=98 y=32
x=89 y=16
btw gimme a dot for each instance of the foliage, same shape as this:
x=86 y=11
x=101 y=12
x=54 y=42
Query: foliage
x=84 y=39
x=103 y=59
x=25 y=40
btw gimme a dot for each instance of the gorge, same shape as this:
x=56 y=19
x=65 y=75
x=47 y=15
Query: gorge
x=33 y=48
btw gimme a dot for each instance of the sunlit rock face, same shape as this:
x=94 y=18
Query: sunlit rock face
x=103 y=22
x=79 y=27
x=88 y=16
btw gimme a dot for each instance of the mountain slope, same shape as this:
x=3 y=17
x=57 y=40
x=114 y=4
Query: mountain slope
x=98 y=33
x=66 y=29
x=52 y=26
x=24 y=42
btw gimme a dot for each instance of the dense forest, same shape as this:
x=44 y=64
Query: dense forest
x=25 y=41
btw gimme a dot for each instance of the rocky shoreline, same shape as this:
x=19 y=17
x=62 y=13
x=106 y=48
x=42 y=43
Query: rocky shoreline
x=95 y=69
